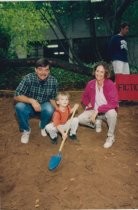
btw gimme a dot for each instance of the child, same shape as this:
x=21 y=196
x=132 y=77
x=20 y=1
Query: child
x=61 y=121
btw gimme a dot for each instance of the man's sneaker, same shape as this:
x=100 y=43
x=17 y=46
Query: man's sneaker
x=43 y=132
x=25 y=137
x=98 y=125
x=109 y=141
x=73 y=137
x=54 y=140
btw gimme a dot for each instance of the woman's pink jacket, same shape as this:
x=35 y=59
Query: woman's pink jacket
x=110 y=93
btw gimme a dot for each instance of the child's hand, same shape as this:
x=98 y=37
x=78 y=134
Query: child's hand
x=64 y=135
x=76 y=106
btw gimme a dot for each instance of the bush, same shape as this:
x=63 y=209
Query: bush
x=4 y=43
x=69 y=80
x=134 y=70
x=10 y=78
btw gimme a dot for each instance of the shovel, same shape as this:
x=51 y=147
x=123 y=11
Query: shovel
x=55 y=160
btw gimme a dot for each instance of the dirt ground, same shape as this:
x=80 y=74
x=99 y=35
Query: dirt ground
x=89 y=177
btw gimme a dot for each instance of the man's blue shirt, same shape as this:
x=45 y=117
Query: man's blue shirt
x=118 y=48
x=40 y=90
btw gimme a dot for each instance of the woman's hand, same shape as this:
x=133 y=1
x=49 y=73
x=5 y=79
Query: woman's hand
x=94 y=115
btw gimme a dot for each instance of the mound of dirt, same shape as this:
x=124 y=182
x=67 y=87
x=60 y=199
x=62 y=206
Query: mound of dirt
x=89 y=176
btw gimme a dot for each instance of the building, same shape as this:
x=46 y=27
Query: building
x=89 y=39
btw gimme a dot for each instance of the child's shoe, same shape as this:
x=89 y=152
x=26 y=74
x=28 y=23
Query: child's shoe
x=54 y=140
x=73 y=137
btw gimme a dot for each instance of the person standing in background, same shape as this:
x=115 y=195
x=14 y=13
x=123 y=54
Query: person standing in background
x=118 y=51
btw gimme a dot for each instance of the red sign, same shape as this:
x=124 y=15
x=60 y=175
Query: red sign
x=127 y=86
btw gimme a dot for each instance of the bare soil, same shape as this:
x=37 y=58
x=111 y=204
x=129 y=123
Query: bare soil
x=89 y=176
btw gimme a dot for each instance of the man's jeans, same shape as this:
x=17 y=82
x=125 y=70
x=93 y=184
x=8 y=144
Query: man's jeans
x=25 y=111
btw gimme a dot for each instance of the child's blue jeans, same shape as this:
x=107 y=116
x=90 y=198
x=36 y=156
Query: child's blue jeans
x=25 y=111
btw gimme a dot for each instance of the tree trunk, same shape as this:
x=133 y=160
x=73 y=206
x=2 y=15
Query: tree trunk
x=120 y=10
x=93 y=32
x=57 y=22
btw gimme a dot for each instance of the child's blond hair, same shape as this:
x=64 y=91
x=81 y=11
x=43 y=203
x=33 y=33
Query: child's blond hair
x=63 y=93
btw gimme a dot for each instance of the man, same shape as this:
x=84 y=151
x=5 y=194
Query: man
x=35 y=95
x=118 y=51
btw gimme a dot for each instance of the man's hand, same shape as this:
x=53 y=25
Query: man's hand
x=35 y=105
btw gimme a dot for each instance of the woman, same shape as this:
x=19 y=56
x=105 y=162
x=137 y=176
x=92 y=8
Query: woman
x=100 y=99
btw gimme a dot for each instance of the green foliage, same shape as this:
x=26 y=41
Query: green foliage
x=22 y=23
x=134 y=69
x=131 y=15
x=68 y=11
x=69 y=80
x=4 y=43
x=10 y=78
